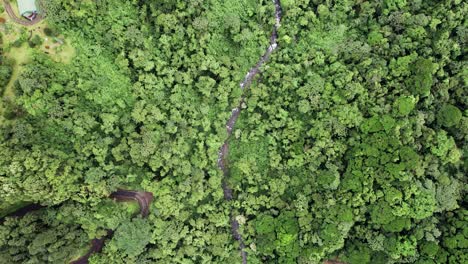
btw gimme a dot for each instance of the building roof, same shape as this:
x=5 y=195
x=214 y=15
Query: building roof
x=26 y=7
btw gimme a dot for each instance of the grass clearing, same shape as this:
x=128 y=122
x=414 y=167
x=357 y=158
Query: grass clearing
x=20 y=56
x=58 y=48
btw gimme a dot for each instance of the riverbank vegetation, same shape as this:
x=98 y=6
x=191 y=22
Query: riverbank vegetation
x=351 y=143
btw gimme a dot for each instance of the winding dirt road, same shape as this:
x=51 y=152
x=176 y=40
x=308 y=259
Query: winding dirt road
x=144 y=200
x=333 y=262
x=223 y=152
x=96 y=246
x=22 y=211
x=19 y=20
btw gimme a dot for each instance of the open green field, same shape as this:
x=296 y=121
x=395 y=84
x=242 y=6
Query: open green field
x=20 y=57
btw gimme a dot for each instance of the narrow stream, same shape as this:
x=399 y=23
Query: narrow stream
x=223 y=152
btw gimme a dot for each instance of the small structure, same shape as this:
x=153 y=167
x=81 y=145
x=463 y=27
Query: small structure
x=28 y=9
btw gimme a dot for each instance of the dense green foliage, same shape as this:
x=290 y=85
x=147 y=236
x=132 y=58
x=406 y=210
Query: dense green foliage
x=364 y=135
x=6 y=70
x=142 y=105
x=59 y=234
x=351 y=143
x=39 y=238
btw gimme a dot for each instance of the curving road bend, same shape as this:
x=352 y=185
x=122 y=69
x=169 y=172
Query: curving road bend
x=144 y=200
x=223 y=152
x=96 y=246
x=22 y=211
x=19 y=20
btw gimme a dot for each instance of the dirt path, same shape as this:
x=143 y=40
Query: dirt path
x=143 y=198
x=96 y=246
x=22 y=211
x=224 y=150
x=333 y=262
x=18 y=20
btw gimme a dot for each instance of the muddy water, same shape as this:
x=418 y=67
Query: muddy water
x=244 y=85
